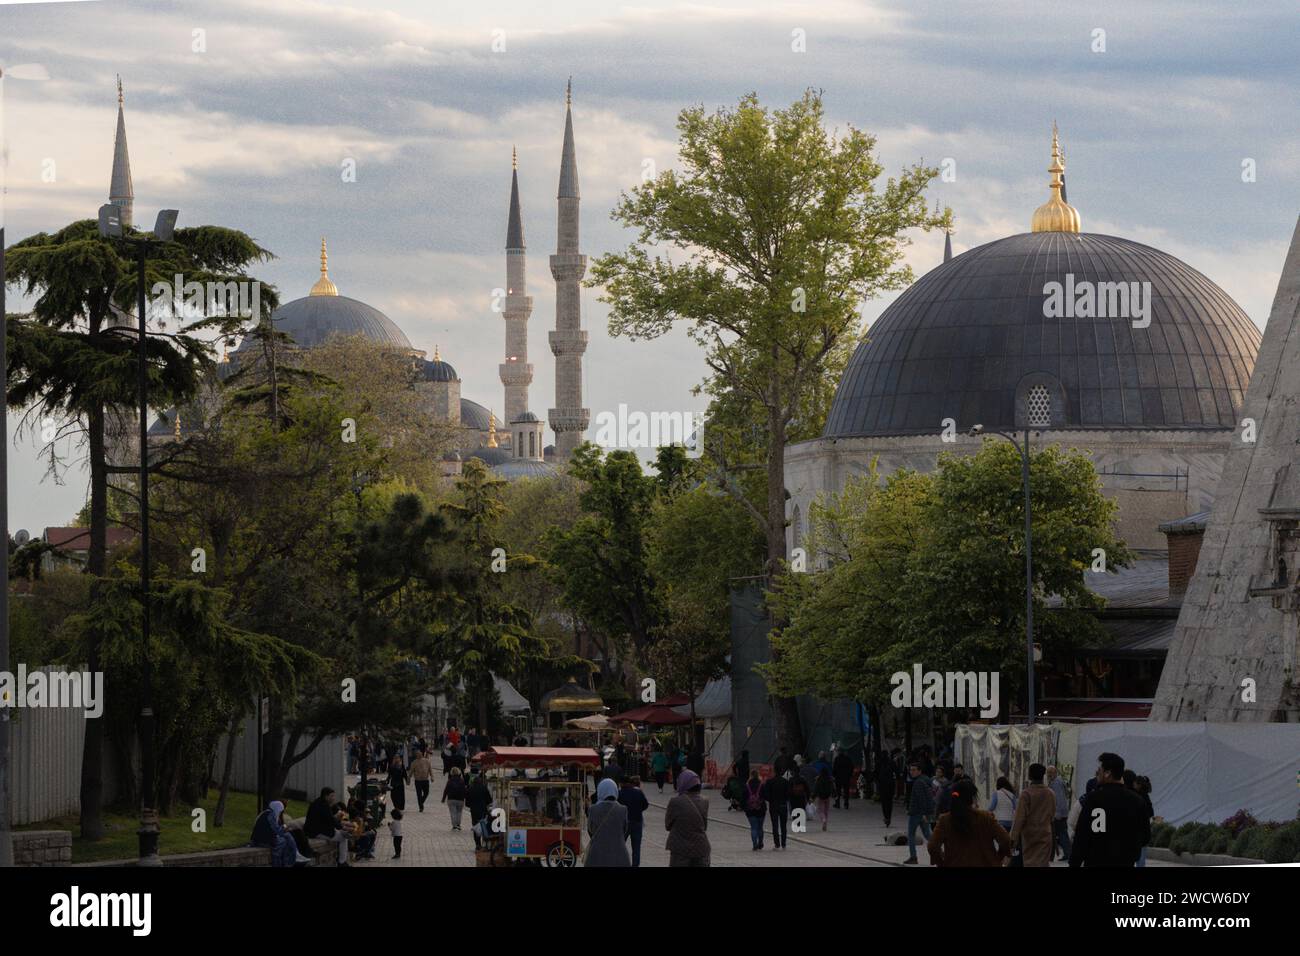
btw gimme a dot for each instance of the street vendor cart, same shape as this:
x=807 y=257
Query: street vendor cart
x=543 y=791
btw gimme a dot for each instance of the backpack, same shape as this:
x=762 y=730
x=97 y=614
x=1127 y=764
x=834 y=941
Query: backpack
x=753 y=800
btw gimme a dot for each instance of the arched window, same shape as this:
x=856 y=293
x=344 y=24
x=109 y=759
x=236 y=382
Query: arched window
x=796 y=535
x=1039 y=402
x=532 y=444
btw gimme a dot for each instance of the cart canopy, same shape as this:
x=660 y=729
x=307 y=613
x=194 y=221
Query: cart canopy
x=526 y=757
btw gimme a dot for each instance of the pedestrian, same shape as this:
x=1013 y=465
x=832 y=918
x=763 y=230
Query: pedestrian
x=1031 y=830
x=1127 y=829
x=659 y=767
x=938 y=785
x=1003 y=803
x=421 y=772
x=632 y=797
x=755 y=809
x=1060 y=831
x=842 y=771
x=478 y=798
x=920 y=804
x=398 y=777
x=447 y=750
x=823 y=790
x=900 y=773
x=1143 y=787
x=885 y=782
x=783 y=764
x=822 y=762
x=776 y=791
x=807 y=771
x=695 y=760
x=742 y=766
x=966 y=836
x=687 y=819
x=799 y=795
x=395 y=829
x=352 y=754
x=607 y=827
x=733 y=791
x=454 y=794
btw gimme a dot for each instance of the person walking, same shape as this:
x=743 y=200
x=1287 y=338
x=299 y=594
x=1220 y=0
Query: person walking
x=659 y=767
x=454 y=794
x=478 y=798
x=776 y=791
x=799 y=796
x=920 y=804
x=687 y=821
x=842 y=771
x=783 y=764
x=1031 y=830
x=1128 y=828
x=885 y=782
x=1003 y=803
x=1060 y=830
x=966 y=836
x=421 y=772
x=755 y=809
x=633 y=797
x=742 y=766
x=1143 y=787
x=607 y=827
x=398 y=777
x=823 y=790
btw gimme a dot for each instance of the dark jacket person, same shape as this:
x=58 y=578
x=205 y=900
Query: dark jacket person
x=1113 y=823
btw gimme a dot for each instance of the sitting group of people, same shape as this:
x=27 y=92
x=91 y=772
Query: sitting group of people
x=342 y=823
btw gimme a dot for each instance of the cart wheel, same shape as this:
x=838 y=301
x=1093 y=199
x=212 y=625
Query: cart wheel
x=561 y=854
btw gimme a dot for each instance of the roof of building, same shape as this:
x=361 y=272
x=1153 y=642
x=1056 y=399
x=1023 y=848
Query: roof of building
x=961 y=340
x=490 y=456
x=524 y=468
x=437 y=371
x=314 y=319
x=475 y=416
x=1192 y=524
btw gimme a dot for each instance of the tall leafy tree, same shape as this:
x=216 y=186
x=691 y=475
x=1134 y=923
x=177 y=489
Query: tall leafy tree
x=72 y=361
x=780 y=230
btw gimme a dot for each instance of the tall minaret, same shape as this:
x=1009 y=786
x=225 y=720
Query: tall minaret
x=120 y=191
x=516 y=373
x=568 y=419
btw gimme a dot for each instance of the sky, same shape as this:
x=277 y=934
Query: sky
x=246 y=123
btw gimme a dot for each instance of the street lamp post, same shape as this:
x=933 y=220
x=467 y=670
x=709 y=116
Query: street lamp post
x=110 y=226
x=977 y=430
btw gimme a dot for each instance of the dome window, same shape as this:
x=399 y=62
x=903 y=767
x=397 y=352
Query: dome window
x=1039 y=406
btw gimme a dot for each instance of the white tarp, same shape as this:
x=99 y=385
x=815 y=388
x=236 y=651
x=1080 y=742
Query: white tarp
x=1204 y=772
x=989 y=751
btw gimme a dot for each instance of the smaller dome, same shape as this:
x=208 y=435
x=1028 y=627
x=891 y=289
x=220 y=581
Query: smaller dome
x=438 y=371
x=491 y=456
x=526 y=417
x=524 y=468
x=473 y=415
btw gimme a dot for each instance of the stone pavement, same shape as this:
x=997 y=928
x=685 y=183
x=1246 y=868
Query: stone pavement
x=854 y=837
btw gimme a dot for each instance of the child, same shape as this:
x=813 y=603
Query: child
x=395 y=825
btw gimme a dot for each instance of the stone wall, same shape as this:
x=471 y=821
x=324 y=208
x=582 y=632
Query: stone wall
x=42 y=847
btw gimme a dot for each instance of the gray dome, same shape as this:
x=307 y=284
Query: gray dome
x=966 y=337
x=490 y=456
x=525 y=417
x=311 y=320
x=524 y=468
x=473 y=415
x=438 y=371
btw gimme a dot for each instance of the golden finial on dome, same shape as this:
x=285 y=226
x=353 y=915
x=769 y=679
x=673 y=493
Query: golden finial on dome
x=436 y=356
x=176 y=426
x=492 y=430
x=323 y=285
x=1055 y=215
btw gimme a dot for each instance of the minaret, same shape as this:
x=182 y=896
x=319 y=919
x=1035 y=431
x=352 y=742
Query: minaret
x=120 y=191
x=516 y=373
x=947 y=245
x=568 y=419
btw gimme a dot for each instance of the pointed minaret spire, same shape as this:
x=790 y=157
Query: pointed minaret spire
x=568 y=419
x=516 y=374
x=121 y=192
x=947 y=245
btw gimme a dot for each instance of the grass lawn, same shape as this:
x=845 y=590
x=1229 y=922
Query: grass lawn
x=120 y=841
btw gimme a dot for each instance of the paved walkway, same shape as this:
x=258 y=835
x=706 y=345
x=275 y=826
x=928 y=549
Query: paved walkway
x=854 y=837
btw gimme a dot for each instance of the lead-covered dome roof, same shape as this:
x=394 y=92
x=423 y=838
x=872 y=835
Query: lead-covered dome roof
x=963 y=341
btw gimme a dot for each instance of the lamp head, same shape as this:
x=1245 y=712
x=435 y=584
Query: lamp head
x=110 y=220
x=164 y=227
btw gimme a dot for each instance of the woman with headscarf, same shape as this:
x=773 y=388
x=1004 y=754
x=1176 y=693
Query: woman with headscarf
x=965 y=836
x=269 y=831
x=398 y=777
x=607 y=827
x=686 y=819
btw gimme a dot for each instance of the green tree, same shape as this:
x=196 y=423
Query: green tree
x=781 y=232
x=71 y=361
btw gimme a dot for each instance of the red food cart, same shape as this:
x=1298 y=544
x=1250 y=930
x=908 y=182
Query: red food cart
x=543 y=791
